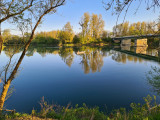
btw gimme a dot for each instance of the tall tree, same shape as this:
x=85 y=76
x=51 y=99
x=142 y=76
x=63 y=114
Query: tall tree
x=143 y=28
x=45 y=7
x=66 y=35
x=84 y=23
x=125 y=29
x=96 y=26
x=6 y=34
x=131 y=29
x=68 y=27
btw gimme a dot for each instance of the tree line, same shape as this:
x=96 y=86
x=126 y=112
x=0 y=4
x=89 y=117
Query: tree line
x=139 y=28
x=92 y=31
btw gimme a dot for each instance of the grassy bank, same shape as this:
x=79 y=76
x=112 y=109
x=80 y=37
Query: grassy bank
x=137 y=112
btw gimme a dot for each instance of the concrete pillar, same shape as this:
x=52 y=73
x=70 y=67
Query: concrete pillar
x=140 y=43
x=126 y=42
x=141 y=50
x=126 y=47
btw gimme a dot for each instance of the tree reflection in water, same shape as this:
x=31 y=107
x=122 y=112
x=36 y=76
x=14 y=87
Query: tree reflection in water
x=153 y=77
x=7 y=74
x=92 y=60
x=123 y=58
x=67 y=55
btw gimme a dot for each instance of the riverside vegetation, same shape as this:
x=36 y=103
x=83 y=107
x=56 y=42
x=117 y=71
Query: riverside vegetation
x=137 y=112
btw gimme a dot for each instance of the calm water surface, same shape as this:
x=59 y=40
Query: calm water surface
x=96 y=76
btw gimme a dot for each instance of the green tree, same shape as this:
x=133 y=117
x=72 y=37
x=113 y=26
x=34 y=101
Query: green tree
x=66 y=35
x=143 y=28
x=96 y=26
x=117 y=30
x=137 y=28
x=131 y=30
x=104 y=34
x=68 y=27
x=84 y=23
x=125 y=29
x=6 y=35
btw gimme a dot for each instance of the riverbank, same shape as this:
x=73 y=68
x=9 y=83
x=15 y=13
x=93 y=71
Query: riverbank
x=63 y=45
x=52 y=112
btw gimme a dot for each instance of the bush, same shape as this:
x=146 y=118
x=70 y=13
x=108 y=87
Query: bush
x=45 y=40
x=107 y=40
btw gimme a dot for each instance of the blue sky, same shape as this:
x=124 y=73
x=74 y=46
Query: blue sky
x=73 y=10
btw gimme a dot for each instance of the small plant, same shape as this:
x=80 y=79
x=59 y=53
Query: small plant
x=45 y=108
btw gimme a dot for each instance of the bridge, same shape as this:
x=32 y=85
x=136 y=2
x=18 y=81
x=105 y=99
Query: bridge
x=135 y=37
x=140 y=40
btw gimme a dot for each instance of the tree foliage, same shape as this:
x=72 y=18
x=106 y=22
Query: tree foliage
x=92 y=28
x=118 y=6
x=67 y=34
x=139 y=28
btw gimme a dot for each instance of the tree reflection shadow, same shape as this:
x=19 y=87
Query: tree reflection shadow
x=123 y=57
x=7 y=74
x=92 y=60
x=67 y=55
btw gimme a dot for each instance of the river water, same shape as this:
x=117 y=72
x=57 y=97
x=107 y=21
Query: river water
x=97 y=76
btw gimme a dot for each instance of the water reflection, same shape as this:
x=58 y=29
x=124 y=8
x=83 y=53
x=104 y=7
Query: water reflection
x=153 y=77
x=91 y=61
x=8 y=73
x=123 y=58
x=126 y=47
x=67 y=55
x=141 y=50
x=91 y=57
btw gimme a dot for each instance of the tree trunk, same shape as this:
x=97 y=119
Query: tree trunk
x=7 y=84
x=1 y=44
x=9 y=80
x=4 y=94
